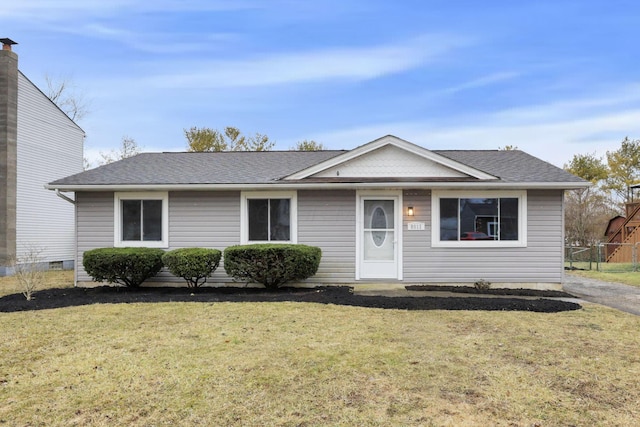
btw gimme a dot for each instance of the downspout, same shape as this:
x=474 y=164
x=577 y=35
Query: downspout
x=63 y=197
x=75 y=232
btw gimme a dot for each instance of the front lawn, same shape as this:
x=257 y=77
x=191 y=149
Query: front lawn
x=291 y=364
x=627 y=278
x=52 y=279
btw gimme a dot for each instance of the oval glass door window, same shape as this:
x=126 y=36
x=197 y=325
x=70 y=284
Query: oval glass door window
x=378 y=225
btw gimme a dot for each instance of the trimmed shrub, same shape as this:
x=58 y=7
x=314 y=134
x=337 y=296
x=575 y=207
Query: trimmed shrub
x=271 y=264
x=125 y=266
x=192 y=264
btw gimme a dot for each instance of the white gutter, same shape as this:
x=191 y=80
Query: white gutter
x=322 y=186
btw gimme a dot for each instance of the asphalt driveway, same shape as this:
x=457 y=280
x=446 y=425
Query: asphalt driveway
x=616 y=295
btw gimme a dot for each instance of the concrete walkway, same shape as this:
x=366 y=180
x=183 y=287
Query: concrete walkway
x=615 y=295
x=398 y=290
x=402 y=292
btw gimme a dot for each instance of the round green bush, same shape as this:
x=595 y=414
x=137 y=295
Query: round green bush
x=271 y=264
x=192 y=264
x=125 y=266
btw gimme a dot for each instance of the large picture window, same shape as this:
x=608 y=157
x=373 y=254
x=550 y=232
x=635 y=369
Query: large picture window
x=482 y=219
x=268 y=217
x=141 y=219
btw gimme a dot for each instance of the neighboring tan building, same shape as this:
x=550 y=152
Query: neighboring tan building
x=38 y=143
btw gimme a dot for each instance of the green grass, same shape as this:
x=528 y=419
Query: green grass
x=609 y=272
x=52 y=279
x=627 y=278
x=296 y=364
x=604 y=266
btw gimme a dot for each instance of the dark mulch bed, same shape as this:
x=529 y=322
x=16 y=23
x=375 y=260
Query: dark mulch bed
x=490 y=291
x=73 y=297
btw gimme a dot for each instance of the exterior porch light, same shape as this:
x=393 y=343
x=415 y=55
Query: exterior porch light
x=410 y=211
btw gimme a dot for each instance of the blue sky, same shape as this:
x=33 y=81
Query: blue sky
x=554 y=78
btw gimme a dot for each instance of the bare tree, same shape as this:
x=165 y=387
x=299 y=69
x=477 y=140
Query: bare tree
x=587 y=213
x=29 y=270
x=587 y=210
x=624 y=169
x=65 y=94
x=231 y=139
x=309 y=145
x=205 y=139
x=258 y=142
x=128 y=148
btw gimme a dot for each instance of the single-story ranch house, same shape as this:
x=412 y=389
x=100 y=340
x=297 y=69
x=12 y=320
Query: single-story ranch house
x=386 y=212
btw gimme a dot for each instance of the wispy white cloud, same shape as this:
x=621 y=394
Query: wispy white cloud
x=482 y=81
x=554 y=132
x=554 y=141
x=110 y=20
x=134 y=23
x=616 y=98
x=150 y=41
x=357 y=63
x=52 y=10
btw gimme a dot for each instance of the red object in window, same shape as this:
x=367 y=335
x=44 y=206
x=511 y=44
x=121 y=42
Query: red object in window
x=475 y=235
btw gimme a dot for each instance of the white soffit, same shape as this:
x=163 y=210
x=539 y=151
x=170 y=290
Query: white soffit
x=390 y=161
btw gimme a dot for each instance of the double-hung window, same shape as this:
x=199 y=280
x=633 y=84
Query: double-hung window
x=141 y=219
x=479 y=219
x=269 y=217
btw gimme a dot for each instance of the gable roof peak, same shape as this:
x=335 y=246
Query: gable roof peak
x=404 y=145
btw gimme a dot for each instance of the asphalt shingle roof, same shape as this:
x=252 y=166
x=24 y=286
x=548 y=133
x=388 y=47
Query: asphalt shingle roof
x=510 y=165
x=233 y=167
x=261 y=167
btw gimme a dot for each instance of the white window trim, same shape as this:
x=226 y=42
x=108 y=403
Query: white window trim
x=244 y=214
x=522 y=219
x=145 y=195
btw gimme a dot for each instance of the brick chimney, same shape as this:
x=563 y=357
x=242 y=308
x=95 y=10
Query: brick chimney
x=8 y=151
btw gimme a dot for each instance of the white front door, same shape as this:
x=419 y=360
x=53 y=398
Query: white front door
x=379 y=237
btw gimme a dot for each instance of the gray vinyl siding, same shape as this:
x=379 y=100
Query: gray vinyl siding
x=540 y=261
x=196 y=219
x=327 y=219
x=212 y=219
x=416 y=244
x=204 y=219
x=49 y=146
x=94 y=212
